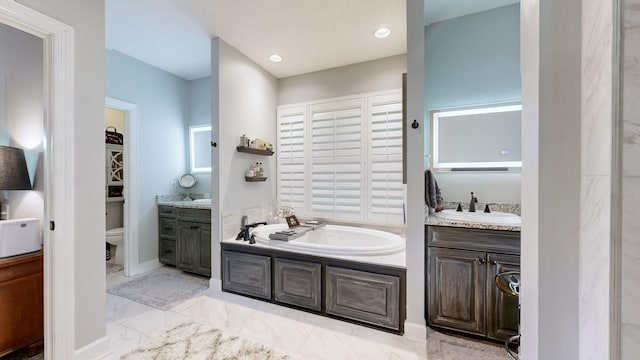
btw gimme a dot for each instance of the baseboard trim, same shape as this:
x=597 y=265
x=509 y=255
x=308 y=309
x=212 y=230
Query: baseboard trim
x=148 y=266
x=98 y=349
x=215 y=284
x=415 y=331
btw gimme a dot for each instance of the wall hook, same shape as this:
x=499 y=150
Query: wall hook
x=214 y=144
x=415 y=124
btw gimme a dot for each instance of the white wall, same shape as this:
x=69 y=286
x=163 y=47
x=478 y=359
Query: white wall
x=162 y=100
x=22 y=122
x=87 y=19
x=360 y=78
x=243 y=102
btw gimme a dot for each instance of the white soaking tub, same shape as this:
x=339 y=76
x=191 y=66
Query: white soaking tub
x=335 y=240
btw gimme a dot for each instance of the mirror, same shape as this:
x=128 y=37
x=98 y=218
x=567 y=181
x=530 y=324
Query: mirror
x=187 y=181
x=476 y=138
x=200 y=148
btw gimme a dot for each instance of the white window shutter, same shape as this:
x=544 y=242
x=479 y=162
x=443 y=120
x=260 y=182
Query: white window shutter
x=337 y=178
x=291 y=158
x=385 y=189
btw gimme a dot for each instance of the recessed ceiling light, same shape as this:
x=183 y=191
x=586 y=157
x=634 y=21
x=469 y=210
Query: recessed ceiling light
x=382 y=32
x=275 y=58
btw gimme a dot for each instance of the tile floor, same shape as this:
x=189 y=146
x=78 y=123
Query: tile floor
x=296 y=333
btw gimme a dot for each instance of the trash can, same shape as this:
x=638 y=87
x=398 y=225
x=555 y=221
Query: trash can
x=509 y=283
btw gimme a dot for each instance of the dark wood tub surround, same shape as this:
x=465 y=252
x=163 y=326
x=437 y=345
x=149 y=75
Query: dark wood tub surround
x=460 y=280
x=367 y=294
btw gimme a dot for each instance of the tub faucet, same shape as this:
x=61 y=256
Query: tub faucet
x=247 y=234
x=472 y=203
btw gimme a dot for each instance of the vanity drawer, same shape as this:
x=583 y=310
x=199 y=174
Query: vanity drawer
x=499 y=241
x=167 y=227
x=166 y=211
x=167 y=251
x=195 y=215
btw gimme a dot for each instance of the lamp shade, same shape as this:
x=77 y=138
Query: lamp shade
x=13 y=169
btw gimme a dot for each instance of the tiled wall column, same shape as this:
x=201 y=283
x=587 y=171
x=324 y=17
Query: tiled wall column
x=630 y=284
x=596 y=175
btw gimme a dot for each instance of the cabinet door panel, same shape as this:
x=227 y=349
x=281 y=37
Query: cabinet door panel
x=186 y=247
x=363 y=296
x=502 y=310
x=203 y=255
x=247 y=274
x=456 y=281
x=298 y=283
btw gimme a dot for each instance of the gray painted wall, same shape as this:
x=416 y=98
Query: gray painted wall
x=630 y=267
x=471 y=60
x=163 y=109
x=87 y=19
x=415 y=323
x=551 y=73
x=368 y=76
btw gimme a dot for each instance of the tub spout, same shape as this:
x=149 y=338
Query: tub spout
x=247 y=232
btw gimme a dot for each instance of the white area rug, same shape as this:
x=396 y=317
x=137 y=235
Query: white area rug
x=161 y=290
x=194 y=341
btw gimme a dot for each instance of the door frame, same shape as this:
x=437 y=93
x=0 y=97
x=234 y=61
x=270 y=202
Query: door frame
x=59 y=170
x=131 y=213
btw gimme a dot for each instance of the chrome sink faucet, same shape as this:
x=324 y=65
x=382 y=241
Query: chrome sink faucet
x=472 y=203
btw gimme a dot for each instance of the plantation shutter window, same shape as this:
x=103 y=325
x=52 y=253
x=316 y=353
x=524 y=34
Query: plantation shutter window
x=341 y=159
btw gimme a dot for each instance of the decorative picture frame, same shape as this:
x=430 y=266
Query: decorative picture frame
x=292 y=221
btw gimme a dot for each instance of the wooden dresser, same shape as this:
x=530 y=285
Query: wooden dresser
x=21 y=302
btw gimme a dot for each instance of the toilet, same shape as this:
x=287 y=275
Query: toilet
x=116 y=237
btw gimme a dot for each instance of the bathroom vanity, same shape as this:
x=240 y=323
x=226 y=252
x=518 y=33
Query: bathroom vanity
x=21 y=301
x=462 y=263
x=185 y=237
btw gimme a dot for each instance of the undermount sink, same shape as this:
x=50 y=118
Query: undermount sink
x=202 y=201
x=494 y=217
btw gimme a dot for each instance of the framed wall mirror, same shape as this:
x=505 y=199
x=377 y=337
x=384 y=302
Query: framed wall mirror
x=483 y=137
x=200 y=148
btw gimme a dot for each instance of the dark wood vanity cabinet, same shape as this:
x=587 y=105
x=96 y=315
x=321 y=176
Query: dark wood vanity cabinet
x=461 y=292
x=167 y=229
x=185 y=238
x=193 y=245
x=21 y=302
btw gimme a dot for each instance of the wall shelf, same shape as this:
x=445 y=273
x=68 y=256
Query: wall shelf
x=255 y=178
x=254 y=151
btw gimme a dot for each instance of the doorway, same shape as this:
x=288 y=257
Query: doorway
x=59 y=169
x=130 y=181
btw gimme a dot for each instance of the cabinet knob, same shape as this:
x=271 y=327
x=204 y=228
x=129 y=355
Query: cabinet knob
x=493 y=262
x=479 y=261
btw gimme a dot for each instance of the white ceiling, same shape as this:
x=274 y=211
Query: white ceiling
x=311 y=35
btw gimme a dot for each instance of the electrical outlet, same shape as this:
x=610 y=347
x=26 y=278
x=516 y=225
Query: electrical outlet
x=174 y=185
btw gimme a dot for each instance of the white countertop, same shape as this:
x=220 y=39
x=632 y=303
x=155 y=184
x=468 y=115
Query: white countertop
x=185 y=204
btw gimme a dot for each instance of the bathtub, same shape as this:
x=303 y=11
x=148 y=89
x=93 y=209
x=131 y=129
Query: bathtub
x=335 y=240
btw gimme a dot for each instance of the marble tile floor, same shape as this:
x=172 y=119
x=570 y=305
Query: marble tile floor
x=299 y=334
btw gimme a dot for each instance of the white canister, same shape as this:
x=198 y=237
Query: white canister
x=253 y=144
